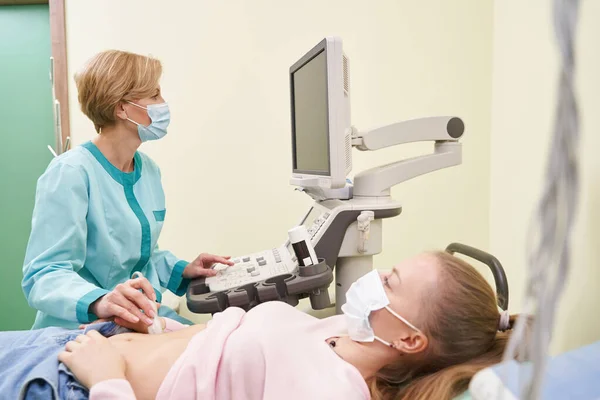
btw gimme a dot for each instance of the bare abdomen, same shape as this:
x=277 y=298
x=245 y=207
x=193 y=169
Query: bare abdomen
x=150 y=357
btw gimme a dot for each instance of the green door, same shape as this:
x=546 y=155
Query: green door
x=26 y=129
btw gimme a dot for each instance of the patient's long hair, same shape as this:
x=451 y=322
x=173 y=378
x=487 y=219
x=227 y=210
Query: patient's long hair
x=461 y=323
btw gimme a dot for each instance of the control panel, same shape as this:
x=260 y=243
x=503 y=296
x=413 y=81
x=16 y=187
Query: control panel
x=256 y=267
x=276 y=274
x=252 y=268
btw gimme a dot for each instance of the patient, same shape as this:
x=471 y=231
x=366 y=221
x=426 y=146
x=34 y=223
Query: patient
x=441 y=326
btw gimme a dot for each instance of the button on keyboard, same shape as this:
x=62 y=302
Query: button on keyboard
x=249 y=269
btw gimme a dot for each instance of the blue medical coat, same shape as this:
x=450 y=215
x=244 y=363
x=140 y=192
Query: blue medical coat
x=92 y=227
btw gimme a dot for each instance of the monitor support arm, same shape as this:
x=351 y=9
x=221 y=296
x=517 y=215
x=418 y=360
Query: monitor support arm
x=378 y=181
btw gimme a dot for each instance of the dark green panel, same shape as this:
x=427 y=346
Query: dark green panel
x=26 y=129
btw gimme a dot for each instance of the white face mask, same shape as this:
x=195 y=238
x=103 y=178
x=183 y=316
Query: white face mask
x=366 y=295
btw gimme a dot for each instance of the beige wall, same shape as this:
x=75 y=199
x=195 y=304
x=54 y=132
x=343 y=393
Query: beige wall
x=226 y=160
x=524 y=97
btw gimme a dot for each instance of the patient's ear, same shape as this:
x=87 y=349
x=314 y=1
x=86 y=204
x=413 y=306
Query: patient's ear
x=411 y=343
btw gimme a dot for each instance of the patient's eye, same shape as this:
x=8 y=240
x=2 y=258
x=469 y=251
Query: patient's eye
x=393 y=277
x=386 y=280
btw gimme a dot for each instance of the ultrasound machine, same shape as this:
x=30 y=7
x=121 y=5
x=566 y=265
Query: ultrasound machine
x=340 y=233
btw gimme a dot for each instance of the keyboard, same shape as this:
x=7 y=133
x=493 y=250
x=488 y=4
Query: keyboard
x=251 y=268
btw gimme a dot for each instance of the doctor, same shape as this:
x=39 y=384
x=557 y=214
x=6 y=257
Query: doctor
x=100 y=207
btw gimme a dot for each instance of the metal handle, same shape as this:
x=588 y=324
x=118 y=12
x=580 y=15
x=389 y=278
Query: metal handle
x=58 y=127
x=67 y=143
x=57 y=117
x=52 y=72
x=492 y=262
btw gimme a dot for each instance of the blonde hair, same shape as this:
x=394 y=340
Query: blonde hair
x=111 y=77
x=461 y=323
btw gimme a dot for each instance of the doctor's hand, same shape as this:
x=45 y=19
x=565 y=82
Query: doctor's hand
x=139 y=326
x=125 y=301
x=93 y=359
x=202 y=265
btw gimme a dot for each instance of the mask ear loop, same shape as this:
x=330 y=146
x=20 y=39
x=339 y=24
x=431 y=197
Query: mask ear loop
x=403 y=319
x=130 y=120
x=384 y=342
x=159 y=105
x=137 y=105
x=395 y=314
x=388 y=344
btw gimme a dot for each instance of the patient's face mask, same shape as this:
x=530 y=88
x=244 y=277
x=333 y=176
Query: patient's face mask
x=366 y=295
x=159 y=115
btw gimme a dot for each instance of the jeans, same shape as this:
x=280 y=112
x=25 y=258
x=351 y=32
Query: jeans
x=29 y=367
